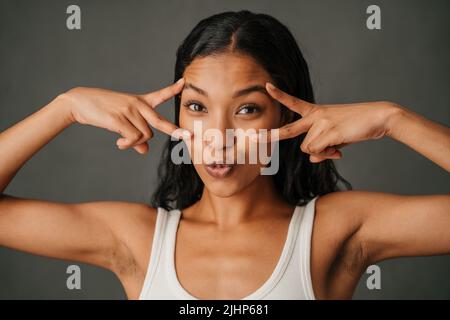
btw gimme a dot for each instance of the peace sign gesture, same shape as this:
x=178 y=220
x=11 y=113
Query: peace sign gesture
x=132 y=116
x=330 y=127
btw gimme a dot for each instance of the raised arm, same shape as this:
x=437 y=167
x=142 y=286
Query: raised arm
x=429 y=138
x=99 y=233
x=400 y=225
x=333 y=126
x=367 y=227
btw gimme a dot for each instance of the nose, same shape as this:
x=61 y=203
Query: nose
x=219 y=133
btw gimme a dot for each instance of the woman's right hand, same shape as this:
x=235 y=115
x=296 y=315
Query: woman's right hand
x=129 y=115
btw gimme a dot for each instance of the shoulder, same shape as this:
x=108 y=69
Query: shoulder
x=339 y=214
x=118 y=214
x=354 y=205
x=132 y=225
x=343 y=213
x=337 y=255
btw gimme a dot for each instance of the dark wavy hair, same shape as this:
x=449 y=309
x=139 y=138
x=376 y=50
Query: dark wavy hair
x=271 y=44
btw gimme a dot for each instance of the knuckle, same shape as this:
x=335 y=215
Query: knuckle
x=304 y=148
x=134 y=99
x=317 y=112
x=136 y=135
x=114 y=120
x=146 y=134
x=293 y=100
x=313 y=148
x=156 y=99
x=140 y=104
x=129 y=107
x=158 y=126
x=325 y=122
x=72 y=93
x=158 y=117
x=288 y=129
x=150 y=100
x=77 y=89
x=335 y=134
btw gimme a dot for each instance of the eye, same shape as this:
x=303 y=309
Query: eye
x=249 y=109
x=194 y=106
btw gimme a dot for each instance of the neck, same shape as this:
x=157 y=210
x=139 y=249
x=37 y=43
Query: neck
x=259 y=198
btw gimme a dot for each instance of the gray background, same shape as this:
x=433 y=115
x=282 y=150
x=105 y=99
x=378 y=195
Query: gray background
x=130 y=46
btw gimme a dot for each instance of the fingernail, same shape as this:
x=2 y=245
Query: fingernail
x=180 y=80
x=122 y=142
x=330 y=151
x=271 y=86
x=185 y=134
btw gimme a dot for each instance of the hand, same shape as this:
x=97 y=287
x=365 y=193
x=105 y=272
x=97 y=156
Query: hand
x=126 y=114
x=330 y=127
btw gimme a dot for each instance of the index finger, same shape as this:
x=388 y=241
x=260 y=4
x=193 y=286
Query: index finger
x=157 y=97
x=160 y=123
x=287 y=131
x=295 y=104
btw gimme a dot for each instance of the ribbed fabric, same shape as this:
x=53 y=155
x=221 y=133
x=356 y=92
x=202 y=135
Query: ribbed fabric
x=290 y=280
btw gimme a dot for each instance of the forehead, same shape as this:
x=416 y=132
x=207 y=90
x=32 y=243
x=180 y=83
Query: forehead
x=225 y=72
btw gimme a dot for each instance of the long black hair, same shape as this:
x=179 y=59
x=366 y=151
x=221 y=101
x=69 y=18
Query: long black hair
x=272 y=45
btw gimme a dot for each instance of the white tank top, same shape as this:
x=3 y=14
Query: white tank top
x=291 y=278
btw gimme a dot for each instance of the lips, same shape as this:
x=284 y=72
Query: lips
x=219 y=170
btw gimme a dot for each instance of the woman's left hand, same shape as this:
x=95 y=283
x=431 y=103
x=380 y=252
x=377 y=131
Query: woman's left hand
x=330 y=127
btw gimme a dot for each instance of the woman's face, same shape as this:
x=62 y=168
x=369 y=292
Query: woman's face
x=226 y=91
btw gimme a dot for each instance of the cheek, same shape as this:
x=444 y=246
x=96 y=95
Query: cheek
x=184 y=120
x=274 y=120
x=270 y=120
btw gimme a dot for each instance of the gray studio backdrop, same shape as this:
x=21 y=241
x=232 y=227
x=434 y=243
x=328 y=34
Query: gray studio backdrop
x=130 y=46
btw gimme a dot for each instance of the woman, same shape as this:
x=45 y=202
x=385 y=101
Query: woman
x=220 y=231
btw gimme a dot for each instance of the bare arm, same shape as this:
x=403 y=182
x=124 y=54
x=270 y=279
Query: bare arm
x=333 y=126
x=99 y=233
x=429 y=138
x=390 y=225
x=354 y=229
x=20 y=142
x=359 y=228
x=398 y=225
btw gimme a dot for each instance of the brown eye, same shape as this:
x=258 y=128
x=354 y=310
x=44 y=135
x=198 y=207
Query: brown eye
x=248 y=109
x=194 y=106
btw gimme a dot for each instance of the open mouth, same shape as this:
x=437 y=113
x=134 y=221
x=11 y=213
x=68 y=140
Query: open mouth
x=219 y=170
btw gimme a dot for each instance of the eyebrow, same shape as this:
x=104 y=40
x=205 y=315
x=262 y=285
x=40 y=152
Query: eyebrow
x=240 y=93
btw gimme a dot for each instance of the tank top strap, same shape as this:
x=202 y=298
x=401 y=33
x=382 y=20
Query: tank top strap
x=162 y=234
x=304 y=247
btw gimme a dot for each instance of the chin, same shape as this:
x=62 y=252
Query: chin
x=223 y=189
